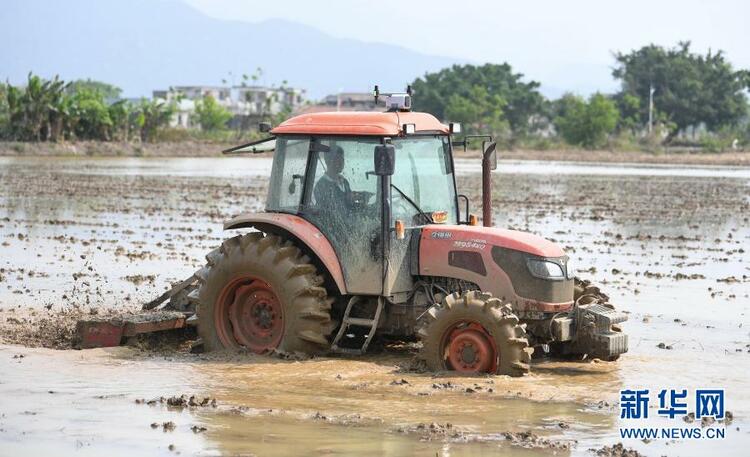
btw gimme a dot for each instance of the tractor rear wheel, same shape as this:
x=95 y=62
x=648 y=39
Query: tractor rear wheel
x=474 y=333
x=262 y=293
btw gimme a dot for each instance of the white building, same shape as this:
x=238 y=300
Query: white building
x=248 y=104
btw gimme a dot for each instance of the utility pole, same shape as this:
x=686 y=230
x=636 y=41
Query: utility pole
x=651 y=91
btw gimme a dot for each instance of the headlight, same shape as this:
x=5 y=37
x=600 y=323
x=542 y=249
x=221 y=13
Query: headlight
x=545 y=270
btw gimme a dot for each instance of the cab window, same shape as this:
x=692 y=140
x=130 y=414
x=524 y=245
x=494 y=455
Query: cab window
x=288 y=175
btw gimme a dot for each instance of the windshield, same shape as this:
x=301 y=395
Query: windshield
x=424 y=174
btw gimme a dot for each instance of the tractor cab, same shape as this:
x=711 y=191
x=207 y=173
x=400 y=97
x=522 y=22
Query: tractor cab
x=365 y=181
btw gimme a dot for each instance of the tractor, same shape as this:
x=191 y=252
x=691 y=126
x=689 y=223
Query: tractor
x=363 y=237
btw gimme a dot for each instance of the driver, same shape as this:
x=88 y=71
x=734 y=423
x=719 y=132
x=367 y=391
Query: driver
x=332 y=190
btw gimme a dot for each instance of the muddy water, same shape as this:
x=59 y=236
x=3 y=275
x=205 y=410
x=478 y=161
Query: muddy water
x=670 y=243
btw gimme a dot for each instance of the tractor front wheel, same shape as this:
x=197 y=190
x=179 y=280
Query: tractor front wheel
x=474 y=333
x=262 y=293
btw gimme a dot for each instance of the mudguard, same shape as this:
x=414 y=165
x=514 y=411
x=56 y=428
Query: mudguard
x=303 y=231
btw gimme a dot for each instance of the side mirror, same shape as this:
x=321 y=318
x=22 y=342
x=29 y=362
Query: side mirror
x=385 y=159
x=490 y=154
x=264 y=127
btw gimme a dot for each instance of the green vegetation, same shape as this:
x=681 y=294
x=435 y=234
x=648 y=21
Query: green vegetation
x=586 y=123
x=37 y=112
x=52 y=110
x=108 y=91
x=699 y=102
x=152 y=115
x=480 y=112
x=492 y=96
x=689 y=89
x=211 y=115
x=692 y=93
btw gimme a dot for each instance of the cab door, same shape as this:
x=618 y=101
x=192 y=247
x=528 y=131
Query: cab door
x=342 y=199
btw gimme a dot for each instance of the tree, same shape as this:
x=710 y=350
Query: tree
x=88 y=115
x=123 y=120
x=52 y=110
x=4 y=111
x=586 y=123
x=108 y=92
x=36 y=112
x=520 y=100
x=690 y=89
x=151 y=115
x=480 y=112
x=211 y=115
x=629 y=107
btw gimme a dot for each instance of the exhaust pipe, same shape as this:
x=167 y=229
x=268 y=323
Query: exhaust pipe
x=489 y=163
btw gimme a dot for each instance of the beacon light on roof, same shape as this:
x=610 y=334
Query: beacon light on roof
x=398 y=102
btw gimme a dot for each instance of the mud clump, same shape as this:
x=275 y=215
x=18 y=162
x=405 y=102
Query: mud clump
x=198 y=429
x=434 y=431
x=443 y=385
x=181 y=402
x=616 y=450
x=707 y=421
x=530 y=440
x=140 y=279
x=168 y=426
x=192 y=402
x=346 y=420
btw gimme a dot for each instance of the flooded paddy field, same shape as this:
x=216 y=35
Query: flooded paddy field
x=78 y=237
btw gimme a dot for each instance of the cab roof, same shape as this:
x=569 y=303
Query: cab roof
x=360 y=123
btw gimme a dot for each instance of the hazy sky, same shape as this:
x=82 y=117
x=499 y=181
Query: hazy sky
x=563 y=44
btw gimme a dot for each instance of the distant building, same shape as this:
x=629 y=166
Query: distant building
x=266 y=100
x=248 y=104
x=195 y=93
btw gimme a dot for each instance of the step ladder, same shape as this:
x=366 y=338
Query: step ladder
x=348 y=321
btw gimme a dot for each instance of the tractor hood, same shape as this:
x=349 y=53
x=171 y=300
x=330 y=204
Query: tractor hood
x=497 y=261
x=481 y=238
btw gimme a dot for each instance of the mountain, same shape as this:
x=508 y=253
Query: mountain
x=142 y=45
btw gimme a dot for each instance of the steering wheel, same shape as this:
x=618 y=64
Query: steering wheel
x=360 y=199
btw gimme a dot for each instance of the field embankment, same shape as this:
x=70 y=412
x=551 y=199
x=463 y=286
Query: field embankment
x=194 y=148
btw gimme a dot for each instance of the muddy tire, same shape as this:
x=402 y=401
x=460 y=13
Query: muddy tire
x=474 y=333
x=262 y=293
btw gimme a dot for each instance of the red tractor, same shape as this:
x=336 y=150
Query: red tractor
x=363 y=236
